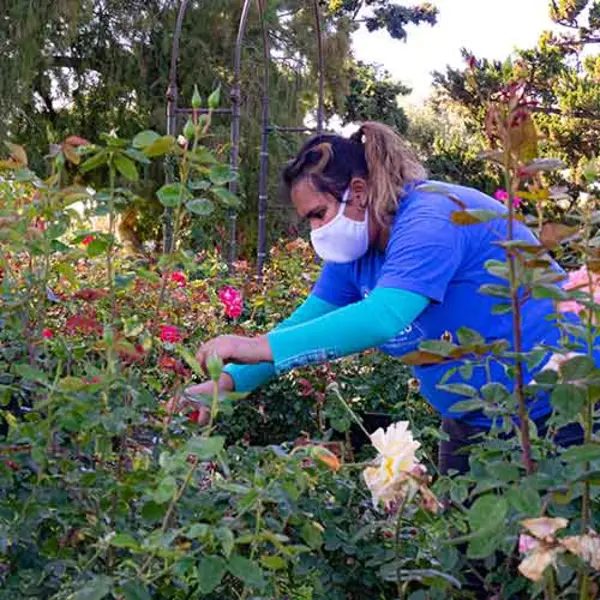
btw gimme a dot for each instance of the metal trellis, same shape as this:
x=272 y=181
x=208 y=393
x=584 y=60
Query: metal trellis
x=234 y=111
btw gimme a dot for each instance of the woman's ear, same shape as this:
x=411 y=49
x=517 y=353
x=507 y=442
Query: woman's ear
x=358 y=192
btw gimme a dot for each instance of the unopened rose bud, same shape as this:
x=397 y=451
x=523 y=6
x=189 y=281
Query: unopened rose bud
x=196 y=98
x=189 y=131
x=214 y=99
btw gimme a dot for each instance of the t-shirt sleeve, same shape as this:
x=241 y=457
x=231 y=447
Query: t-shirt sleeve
x=425 y=249
x=335 y=284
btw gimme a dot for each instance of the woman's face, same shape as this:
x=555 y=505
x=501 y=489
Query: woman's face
x=319 y=208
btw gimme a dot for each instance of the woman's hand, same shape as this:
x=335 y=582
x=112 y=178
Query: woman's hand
x=199 y=411
x=237 y=349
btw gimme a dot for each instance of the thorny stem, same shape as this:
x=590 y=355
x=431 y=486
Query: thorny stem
x=256 y=533
x=183 y=176
x=517 y=326
x=400 y=587
x=588 y=416
x=338 y=395
x=110 y=250
x=174 y=500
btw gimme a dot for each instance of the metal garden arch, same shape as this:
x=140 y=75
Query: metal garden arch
x=234 y=112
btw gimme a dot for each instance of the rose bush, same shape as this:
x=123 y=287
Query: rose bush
x=106 y=492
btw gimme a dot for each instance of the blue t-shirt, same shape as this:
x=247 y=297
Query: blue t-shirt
x=430 y=255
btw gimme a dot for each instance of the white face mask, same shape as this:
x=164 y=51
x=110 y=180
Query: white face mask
x=342 y=240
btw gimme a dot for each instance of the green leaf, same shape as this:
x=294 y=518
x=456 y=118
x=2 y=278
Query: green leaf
x=273 y=563
x=226 y=197
x=311 y=533
x=525 y=499
x=205 y=448
x=577 y=368
x=487 y=514
x=159 y=147
x=438 y=347
x=221 y=174
x=96 y=247
x=568 y=400
x=494 y=392
x=501 y=309
x=495 y=290
x=587 y=452
x=474 y=216
x=468 y=405
x=461 y=389
x=172 y=193
x=249 y=572
x=210 y=572
x=95 y=161
x=198 y=530
x=200 y=206
x=549 y=291
x=24 y=175
x=30 y=373
x=126 y=167
x=99 y=587
x=468 y=337
x=135 y=590
x=503 y=471
x=227 y=539
x=124 y=540
x=198 y=185
x=144 y=138
x=147 y=275
x=138 y=156
x=166 y=490
x=486 y=520
x=484 y=546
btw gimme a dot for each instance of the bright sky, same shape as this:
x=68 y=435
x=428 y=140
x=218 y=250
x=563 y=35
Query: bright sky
x=489 y=28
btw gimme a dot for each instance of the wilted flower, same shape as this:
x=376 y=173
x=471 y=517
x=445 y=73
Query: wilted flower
x=84 y=324
x=170 y=333
x=527 y=543
x=390 y=476
x=90 y=294
x=580 y=280
x=541 y=548
x=587 y=547
x=232 y=301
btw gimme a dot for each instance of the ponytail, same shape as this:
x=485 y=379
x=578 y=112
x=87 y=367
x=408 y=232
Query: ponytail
x=391 y=165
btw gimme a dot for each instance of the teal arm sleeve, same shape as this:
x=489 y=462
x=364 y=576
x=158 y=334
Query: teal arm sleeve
x=354 y=328
x=247 y=378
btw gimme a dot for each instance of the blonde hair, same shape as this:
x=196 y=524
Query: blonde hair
x=375 y=152
x=391 y=164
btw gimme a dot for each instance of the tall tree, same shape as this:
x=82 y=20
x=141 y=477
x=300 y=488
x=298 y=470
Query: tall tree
x=562 y=79
x=88 y=66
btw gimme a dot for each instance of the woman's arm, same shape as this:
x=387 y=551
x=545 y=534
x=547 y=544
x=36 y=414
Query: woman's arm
x=354 y=328
x=247 y=378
